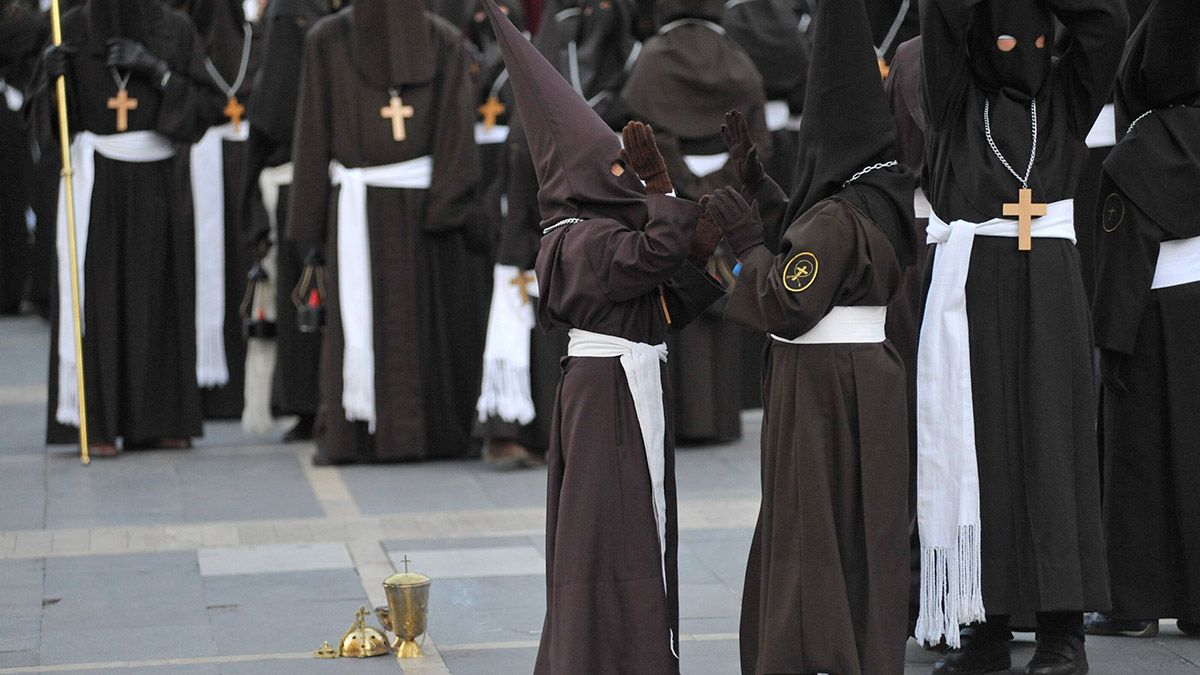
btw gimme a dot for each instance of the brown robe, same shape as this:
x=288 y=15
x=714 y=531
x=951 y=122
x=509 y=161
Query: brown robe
x=827 y=580
x=428 y=350
x=604 y=573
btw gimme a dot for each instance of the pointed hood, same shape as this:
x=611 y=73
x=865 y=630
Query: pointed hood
x=573 y=149
x=222 y=26
x=393 y=42
x=109 y=19
x=848 y=126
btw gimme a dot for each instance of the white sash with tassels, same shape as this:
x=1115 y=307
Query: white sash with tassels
x=505 y=391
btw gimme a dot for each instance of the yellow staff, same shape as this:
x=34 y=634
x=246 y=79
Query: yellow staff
x=64 y=139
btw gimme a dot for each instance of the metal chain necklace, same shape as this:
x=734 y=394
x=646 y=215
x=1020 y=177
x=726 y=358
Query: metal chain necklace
x=987 y=130
x=231 y=90
x=122 y=82
x=868 y=169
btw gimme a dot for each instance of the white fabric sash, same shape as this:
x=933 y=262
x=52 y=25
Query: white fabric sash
x=642 y=371
x=270 y=181
x=13 y=97
x=132 y=146
x=778 y=113
x=505 y=391
x=355 y=298
x=947 y=468
x=484 y=136
x=703 y=165
x=845 y=325
x=1178 y=263
x=1104 y=131
x=208 y=205
x=921 y=206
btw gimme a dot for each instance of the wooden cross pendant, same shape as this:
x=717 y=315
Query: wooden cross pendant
x=122 y=103
x=884 y=68
x=1025 y=209
x=234 y=111
x=490 y=111
x=522 y=281
x=397 y=112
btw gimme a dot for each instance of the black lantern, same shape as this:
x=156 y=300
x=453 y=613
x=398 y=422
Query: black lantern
x=258 y=298
x=309 y=295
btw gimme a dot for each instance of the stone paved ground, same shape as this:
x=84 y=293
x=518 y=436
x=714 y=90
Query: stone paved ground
x=240 y=557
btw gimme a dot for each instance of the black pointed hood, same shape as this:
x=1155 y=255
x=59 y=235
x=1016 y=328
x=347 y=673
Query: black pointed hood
x=109 y=19
x=572 y=148
x=222 y=26
x=848 y=126
x=393 y=42
x=1023 y=70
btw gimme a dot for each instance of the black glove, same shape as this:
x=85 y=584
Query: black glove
x=642 y=155
x=263 y=246
x=56 y=60
x=738 y=220
x=743 y=154
x=705 y=239
x=131 y=55
x=1113 y=367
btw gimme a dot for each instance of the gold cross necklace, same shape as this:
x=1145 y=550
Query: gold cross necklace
x=122 y=103
x=233 y=108
x=1024 y=208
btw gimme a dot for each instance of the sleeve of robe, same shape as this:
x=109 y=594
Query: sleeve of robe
x=1126 y=258
x=1086 y=70
x=311 y=151
x=628 y=264
x=191 y=103
x=255 y=151
x=1160 y=68
x=944 y=25
x=761 y=302
x=453 y=194
x=688 y=294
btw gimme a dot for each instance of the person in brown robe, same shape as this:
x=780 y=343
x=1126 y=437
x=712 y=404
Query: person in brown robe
x=423 y=242
x=613 y=271
x=828 y=573
x=139 y=334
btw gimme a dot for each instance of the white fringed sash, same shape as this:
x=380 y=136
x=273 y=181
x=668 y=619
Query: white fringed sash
x=498 y=133
x=640 y=362
x=1178 y=263
x=208 y=205
x=505 y=391
x=778 y=113
x=355 y=298
x=845 y=325
x=131 y=146
x=947 y=468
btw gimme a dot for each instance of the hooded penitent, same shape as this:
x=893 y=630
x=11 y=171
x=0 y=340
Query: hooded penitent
x=273 y=108
x=848 y=127
x=590 y=42
x=393 y=43
x=1020 y=72
x=893 y=22
x=222 y=26
x=573 y=149
x=108 y=19
x=691 y=73
x=491 y=78
x=768 y=32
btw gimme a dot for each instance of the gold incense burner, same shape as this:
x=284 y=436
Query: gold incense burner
x=362 y=641
x=407 y=610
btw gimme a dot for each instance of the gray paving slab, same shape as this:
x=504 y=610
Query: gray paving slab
x=20 y=611
x=708 y=473
x=174 y=669
x=491 y=661
x=22 y=491
x=24 y=426
x=139 y=488
x=722 y=552
x=254 y=487
x=372 y=666
x=400 y=488
x=25 y=345
x=499 y=609
x=709 y=657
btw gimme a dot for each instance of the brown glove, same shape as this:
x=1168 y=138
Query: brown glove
x=705 y=239
x=641 y=154
x=738 y=220
x=743 y=154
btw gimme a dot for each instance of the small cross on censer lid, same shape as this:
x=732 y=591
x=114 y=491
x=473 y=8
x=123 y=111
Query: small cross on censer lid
x=406 y=578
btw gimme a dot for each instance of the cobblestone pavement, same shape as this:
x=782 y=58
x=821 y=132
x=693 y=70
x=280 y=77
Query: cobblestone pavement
x=240 y=557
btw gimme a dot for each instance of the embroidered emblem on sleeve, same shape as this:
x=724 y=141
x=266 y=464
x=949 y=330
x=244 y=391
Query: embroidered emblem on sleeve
x=1114 y=212
x=800 y=272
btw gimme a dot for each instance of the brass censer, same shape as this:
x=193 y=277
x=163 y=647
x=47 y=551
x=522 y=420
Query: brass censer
x=407 y=613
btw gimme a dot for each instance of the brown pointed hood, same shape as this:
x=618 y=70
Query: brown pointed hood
x=572 y=148
x=848 y=126
x=393 y=42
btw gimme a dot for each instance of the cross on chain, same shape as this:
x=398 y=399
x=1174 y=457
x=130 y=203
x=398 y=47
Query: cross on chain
x=122 y=103
x=1025 y=209
x=490 y=110
x=397 y=112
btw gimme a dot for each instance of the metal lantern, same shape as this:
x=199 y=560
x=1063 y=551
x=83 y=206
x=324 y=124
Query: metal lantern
x=257 y=317
x=309 y=296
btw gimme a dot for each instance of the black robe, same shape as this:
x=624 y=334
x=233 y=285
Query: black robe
x=20 y=36
x=1030 y=336
x=604 y=569
x=139 y=347
x=428 y=349
x=1150 y=339
x=827 y=582
x=271 y=115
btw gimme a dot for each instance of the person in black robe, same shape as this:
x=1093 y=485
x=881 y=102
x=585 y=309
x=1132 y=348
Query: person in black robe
x=139 y=332
x=1147 y=302
x=19 y=40
x=232 y=54
x=386 y=100
x=688 y=75
x=1009 y=485
x=827 y=577
x=590 y=44
x=893 y=22
x=271 y=114
x=613 y=271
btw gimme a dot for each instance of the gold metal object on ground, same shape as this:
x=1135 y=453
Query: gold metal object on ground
x=363 y=641
x=383 y=614
x=64 y=142
x=325 y=652
x=408 y=609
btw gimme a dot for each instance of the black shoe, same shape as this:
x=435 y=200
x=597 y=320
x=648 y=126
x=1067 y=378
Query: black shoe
x=1058 y=655
x=303 y=431
x=1096 y=623
x=980 y=655
x=1189 y=627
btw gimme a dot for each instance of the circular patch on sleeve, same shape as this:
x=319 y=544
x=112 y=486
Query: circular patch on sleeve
x=800 y=272
x=1114 y=212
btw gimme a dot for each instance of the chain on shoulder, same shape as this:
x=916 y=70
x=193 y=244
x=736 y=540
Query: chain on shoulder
x=868 y=169
x=561 y=223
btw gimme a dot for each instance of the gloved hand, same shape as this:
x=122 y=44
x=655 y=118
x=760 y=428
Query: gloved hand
x=56 y=60
x=1113 y=367
x=262 y=247
x=642 y=155
x=131 y=55
x=743 y=153
x=705 y=239
x=738 y=220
